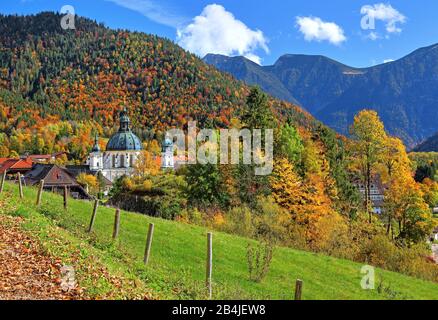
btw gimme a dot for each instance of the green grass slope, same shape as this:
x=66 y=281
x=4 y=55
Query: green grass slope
x=177 y=263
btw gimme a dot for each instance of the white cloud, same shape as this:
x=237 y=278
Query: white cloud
x=152 y=11
x=373 y=36
x=254 y=58
x=216 y=30
x=315 y=29
x=386 y=13
x=388 y=60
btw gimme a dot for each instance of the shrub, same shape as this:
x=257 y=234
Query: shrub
x=239 y=221
x=270 y=221
x=381 y=252
x=259 y=259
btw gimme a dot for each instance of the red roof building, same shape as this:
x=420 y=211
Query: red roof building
x=13 y=166
x=45 y=158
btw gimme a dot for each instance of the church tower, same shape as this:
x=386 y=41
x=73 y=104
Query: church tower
x=167 y=161
x=96 y=156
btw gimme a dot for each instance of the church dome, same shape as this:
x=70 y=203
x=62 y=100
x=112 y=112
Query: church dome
x=122 y=141
x=125 y=139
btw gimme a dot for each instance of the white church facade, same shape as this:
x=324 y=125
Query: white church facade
x=122 y=152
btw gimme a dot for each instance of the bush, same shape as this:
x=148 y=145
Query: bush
x=381 y=252
x=239 y=221
x=158 y=196
x=259 y=259
x=193 y=216
x=270 y=221
x=335 y=238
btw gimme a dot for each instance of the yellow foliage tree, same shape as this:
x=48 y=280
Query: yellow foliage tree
x=89 y=181
x=146 y=165
x=369 y=136
x=306 y=200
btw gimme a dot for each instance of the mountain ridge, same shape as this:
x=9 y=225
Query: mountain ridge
x=428 y=145
x=402 y=91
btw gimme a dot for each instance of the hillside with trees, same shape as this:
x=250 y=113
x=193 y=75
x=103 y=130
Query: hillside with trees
x=79 y=80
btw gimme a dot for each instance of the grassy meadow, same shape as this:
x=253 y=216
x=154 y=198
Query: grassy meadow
x=177 y=263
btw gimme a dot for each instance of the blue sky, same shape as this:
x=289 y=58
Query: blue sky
x=263 y=30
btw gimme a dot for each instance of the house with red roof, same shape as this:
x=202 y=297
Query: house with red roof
x=14 y=166
x=45 y=158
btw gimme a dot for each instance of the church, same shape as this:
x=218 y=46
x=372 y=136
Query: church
x=122 y=152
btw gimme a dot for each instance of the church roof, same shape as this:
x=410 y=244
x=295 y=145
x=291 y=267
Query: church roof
x=96 y=147
x=124 y=139
x=167 y=143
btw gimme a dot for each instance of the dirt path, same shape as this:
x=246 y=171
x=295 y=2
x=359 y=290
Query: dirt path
x=26 y=273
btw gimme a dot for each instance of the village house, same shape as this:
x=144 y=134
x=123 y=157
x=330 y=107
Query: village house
x=377 y=191
x=55 y=179
x=15 y=166
x=434 y=236
x=45 y=158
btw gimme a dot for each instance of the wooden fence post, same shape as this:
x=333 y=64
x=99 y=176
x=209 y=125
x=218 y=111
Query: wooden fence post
x=40 y=192
x=298 y=289
x=93 y=216
x=3 y=181
x=116 y=224
x=147 y=252
x=20 y=186
x=65 y=198
x=209 y=263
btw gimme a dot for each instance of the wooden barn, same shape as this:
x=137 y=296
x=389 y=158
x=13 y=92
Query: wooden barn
x=55 y=179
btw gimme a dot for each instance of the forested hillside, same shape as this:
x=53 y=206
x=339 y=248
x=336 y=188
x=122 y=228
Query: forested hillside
x=50 y=75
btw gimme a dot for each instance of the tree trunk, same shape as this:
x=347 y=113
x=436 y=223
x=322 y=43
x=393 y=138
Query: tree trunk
x=388 y=228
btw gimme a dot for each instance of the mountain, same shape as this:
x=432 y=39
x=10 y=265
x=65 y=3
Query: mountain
x=251 y=73
x=429 y=145
x=403 y=92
